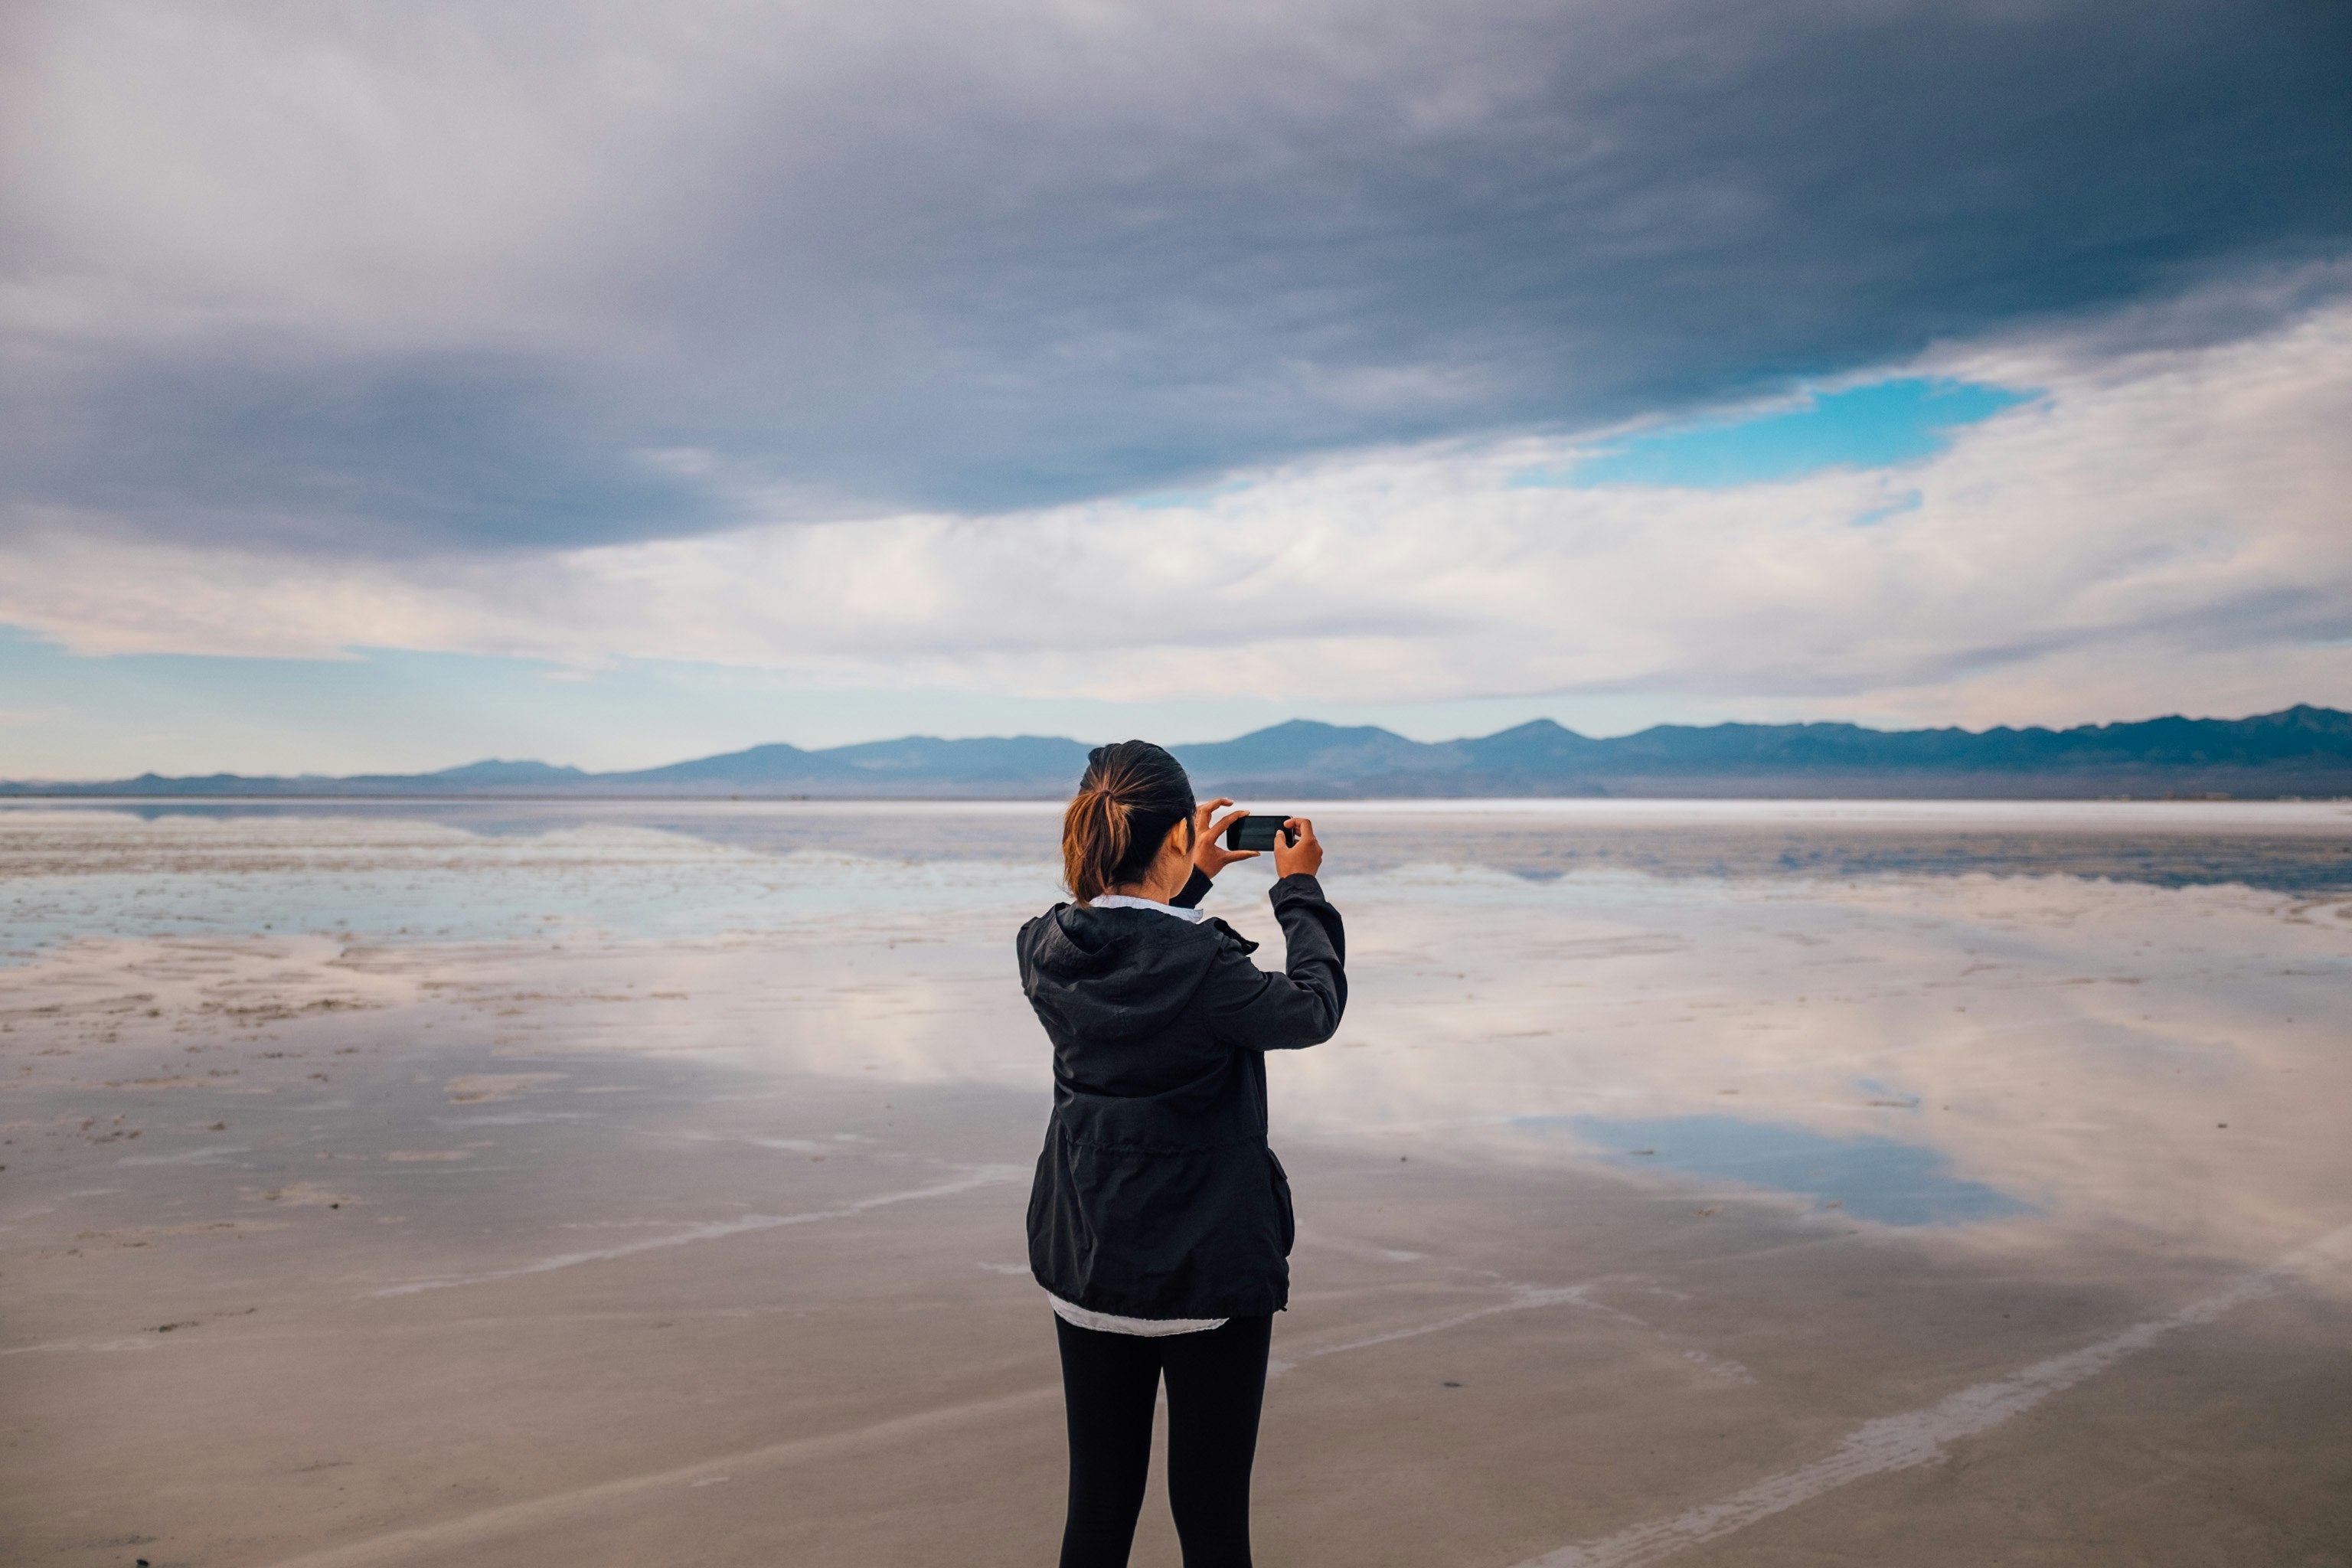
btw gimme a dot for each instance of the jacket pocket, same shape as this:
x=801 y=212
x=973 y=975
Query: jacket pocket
x=1281 y=1183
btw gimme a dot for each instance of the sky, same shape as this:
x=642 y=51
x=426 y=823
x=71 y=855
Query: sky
x=384 y=386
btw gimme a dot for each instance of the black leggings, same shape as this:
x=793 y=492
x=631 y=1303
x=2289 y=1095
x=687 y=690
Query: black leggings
x=1216 y=1380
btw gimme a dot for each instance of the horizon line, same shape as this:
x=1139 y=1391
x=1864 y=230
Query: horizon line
x=37 y=787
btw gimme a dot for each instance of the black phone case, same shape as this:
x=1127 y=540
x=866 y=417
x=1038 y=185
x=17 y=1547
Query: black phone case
x=1256 y=831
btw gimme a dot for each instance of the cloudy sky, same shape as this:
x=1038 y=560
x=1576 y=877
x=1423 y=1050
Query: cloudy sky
x=385 y=385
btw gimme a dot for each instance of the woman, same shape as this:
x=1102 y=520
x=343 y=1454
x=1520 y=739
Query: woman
x=1160 y=1222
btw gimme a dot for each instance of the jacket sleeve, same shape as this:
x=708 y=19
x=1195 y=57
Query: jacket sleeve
x=1196 y=888
x=1254 y=1010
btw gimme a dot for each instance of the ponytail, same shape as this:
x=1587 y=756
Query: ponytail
x=1132 y=795
x=1096 y=832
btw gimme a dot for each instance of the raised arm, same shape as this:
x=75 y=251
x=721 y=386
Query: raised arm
x=1259 y=1010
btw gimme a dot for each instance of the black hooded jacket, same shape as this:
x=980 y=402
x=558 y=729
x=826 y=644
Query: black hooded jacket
x=1156 y=1196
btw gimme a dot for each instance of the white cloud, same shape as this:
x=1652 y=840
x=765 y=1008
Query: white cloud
x=2165 y=530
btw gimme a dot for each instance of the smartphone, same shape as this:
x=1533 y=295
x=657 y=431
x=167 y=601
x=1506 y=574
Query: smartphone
x=1258 y=832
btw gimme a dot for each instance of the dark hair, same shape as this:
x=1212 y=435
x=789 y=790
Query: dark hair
x=1132 y=793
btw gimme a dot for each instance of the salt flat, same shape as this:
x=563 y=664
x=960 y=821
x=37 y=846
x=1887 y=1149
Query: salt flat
x=1707 y=1182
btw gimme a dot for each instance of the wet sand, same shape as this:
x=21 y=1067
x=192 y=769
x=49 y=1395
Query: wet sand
x=406 y=1188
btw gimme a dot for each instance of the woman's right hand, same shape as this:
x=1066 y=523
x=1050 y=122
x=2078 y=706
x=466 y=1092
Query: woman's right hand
x=1210 y=855
x=1305 y=855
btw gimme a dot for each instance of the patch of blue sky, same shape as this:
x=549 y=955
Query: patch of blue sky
x=1877 y=425
x=1881 y=1180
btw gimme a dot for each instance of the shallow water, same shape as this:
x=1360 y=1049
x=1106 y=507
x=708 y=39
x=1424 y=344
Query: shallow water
x=385 y=1074
x=1882 y=1179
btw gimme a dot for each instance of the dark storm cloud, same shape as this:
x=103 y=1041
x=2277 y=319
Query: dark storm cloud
x=366 y=456
x=978 y=258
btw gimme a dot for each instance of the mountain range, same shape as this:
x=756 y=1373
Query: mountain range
x=2298 y=751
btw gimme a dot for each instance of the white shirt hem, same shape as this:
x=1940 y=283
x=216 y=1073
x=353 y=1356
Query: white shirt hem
x=1112 y=1323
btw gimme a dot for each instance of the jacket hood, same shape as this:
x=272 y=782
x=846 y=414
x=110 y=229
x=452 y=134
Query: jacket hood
x=1114 y=974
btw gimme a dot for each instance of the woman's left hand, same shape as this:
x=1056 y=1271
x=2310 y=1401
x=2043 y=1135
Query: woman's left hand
x=1209 y=851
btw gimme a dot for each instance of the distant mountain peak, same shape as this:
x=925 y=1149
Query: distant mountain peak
x=500 y=771
x=1291 y=729
x=1535 y=728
